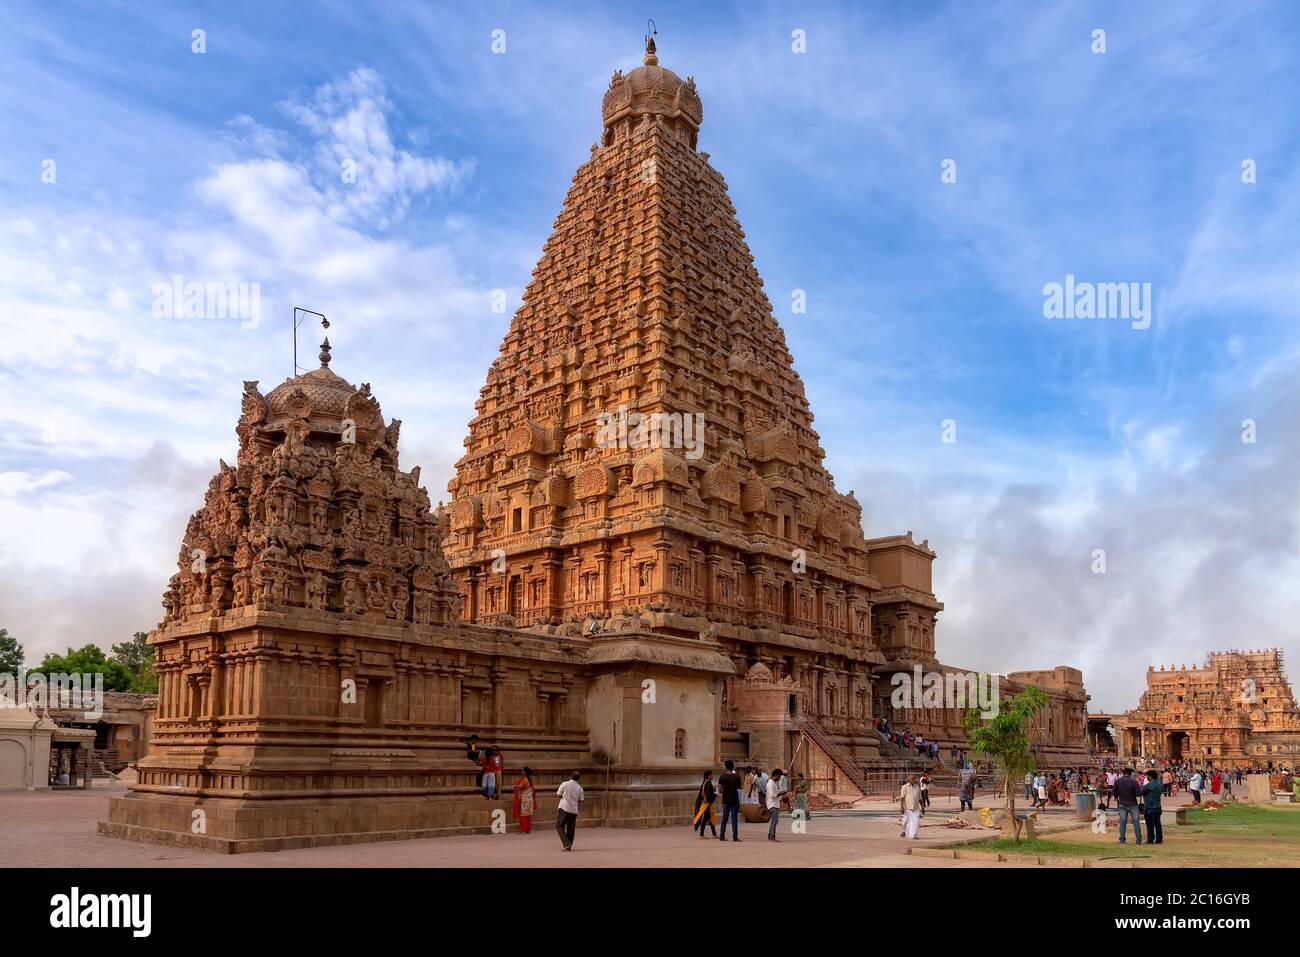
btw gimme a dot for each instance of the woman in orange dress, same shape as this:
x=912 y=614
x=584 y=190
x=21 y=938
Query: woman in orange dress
x=525 y=801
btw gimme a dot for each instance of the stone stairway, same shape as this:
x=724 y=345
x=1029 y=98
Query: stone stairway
x=836 y=753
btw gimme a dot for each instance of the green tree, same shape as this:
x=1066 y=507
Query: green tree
x=1004 y=738
x=11 y=653
x=88 y=660
x=137 y=657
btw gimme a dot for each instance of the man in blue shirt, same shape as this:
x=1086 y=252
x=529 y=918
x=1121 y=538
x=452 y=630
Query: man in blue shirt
x=1151 y=808
x=1126 y=796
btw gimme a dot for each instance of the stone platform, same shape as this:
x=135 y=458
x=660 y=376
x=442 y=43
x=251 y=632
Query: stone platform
x=233 y=826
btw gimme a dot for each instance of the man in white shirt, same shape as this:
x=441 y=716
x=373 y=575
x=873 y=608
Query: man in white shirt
x=1196 y=785
x=566 y=815
x=1040 y=791
x=774 y=801
x=909 y=802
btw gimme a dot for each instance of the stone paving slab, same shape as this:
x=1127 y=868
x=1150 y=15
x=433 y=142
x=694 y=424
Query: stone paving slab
x=58 y=829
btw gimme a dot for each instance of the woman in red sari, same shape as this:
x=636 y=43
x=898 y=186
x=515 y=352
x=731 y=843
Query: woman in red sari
x=525 y=801
x=1216 y=782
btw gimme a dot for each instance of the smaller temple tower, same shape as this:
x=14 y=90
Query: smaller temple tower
x=316 y=685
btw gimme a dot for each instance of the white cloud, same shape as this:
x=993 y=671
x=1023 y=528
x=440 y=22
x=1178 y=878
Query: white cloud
x=20 y=483
x=365 y=176
x=1202 y=547
x=88 y=493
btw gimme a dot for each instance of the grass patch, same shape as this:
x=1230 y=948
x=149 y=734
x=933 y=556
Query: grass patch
x=1038 y=847
x=1244 y=835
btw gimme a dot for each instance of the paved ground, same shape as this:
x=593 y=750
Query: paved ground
x=57 y=829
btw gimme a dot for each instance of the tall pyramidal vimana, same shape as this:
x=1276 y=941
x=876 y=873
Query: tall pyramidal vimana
x=646 y=301
x=645 y=567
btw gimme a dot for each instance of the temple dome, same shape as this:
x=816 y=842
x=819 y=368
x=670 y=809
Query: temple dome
x=655 y=91
x=326 y=392
x=758 y=673
x=318 y=396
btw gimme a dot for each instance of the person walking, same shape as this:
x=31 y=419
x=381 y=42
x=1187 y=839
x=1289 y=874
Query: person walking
x=967 y=792
x=1029 y=785
x=909 y=804
x=1040 y=792
x=1196 y=785
x=774 y=801
x=525 y=801
x=1167 y=781
x=1126 y=796
x=802 y=788
x=704 y=806
x=566 y=815
x=750 y=793
x=1102 y=785
x=924 y=784
x=1151 y=810
x=729 y=784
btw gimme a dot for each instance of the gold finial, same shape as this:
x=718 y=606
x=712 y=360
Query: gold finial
x=651 y=32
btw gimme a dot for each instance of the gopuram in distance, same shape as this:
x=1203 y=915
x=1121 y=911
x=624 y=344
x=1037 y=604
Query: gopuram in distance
x=1237 y=708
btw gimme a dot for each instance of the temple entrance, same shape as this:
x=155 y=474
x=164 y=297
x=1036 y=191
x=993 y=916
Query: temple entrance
x=1175 y=745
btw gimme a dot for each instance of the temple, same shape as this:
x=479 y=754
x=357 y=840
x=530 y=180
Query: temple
x=645 y=567
x=1237 y=707
x=643 y=449
x=727 y=530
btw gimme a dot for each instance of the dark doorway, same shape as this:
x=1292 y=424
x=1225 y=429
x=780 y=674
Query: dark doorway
x=374 y=703
x=1177 y=745
x=516 y=598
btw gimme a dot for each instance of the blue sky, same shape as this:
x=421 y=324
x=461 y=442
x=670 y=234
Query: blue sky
x=924 y=298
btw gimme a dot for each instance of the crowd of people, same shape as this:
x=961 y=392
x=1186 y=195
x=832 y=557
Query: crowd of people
x=775 y=791
x=1174 y=778
x=1136 y=793
x=908 y=741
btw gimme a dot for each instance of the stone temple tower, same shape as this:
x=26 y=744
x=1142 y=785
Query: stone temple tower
x=643 y=447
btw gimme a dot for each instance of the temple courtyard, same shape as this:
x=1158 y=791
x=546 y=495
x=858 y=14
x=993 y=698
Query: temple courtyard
x=57 y=829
